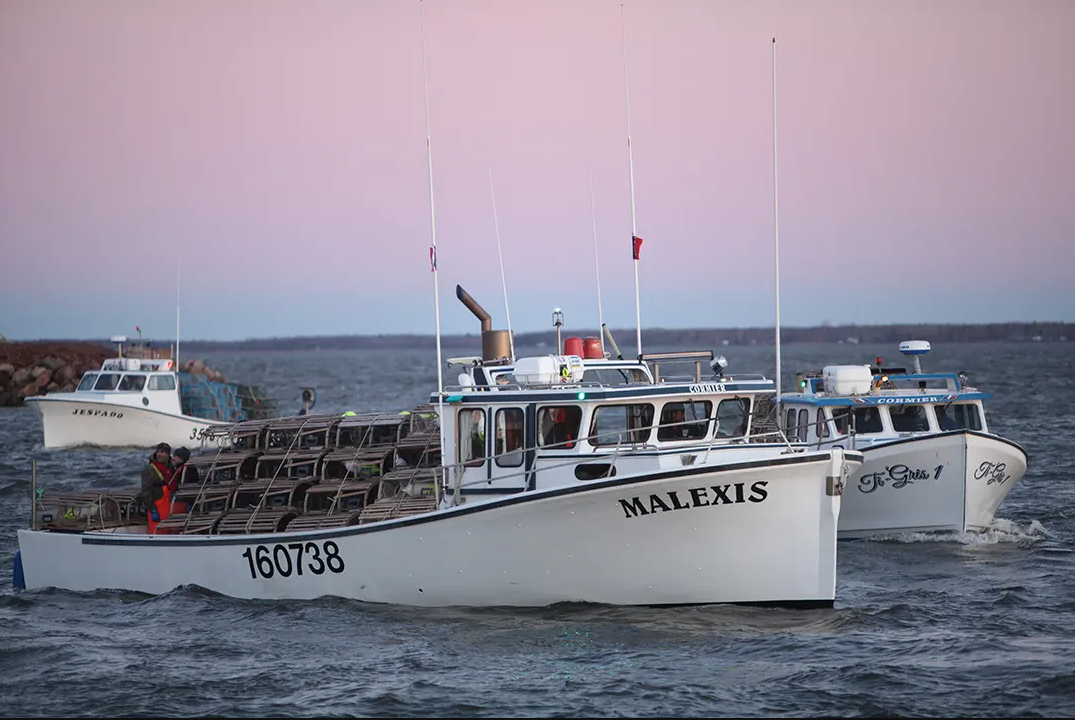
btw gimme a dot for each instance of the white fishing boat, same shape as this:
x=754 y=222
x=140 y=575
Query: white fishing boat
x=139 y=399
x=931 y=462
x=563 y=479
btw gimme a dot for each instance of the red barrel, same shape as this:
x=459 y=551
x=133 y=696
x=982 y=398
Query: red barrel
x=573 y=346
x=592 y=348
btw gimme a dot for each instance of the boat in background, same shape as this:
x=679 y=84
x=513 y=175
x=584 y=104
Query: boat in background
x=140 y=398
x=931 y=462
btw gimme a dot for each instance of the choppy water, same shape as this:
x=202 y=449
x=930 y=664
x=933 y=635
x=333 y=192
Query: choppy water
x=980 y=625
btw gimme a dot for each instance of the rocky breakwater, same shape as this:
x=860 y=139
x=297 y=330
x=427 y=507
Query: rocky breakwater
x=37 y=368
x=197 y=367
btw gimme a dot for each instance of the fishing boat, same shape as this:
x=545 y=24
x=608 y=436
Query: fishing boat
x=565 y=479
x=931 y=462
x=140 y=398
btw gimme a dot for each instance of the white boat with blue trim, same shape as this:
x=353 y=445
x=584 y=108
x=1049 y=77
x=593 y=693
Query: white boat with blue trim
x=564 y=479
x=139 y=399
x=931 y=462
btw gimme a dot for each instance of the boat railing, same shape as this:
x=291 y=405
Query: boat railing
x=515 y=386
x=619 y=450
x=622 y=446
x=597 y=385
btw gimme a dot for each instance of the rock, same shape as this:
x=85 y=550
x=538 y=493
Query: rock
x=36 y=368
x=53 y=363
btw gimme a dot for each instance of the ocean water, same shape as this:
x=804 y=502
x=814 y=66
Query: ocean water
x=977 y=625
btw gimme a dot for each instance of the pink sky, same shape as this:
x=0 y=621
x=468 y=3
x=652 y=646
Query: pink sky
x=276 y=149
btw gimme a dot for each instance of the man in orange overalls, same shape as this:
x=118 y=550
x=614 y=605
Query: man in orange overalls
x=156 y=476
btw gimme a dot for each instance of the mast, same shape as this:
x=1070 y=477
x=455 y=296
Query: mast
x=433 y=236
x=776 y=238
x=597 y=269
x=503 y=282
x=636 y=242
x=175 y=359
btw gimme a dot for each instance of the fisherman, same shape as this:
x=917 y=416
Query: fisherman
x=155 y=494
x=181 y=474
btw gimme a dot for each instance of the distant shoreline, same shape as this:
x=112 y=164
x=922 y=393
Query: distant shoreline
x=625 y=337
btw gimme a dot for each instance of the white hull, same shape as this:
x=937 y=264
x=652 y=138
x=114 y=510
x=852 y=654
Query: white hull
x=768 y=535
x=948 y=482
x=70 y=423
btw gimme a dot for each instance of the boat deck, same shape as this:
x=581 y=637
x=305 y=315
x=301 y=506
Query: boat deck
x=281 y=475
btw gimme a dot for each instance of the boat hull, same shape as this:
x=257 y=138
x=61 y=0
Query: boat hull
x=71 y=423
x=946 y=482
x=752 y=532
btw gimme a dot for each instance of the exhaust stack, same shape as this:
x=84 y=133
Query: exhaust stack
x=474 y=307
x=496 y=344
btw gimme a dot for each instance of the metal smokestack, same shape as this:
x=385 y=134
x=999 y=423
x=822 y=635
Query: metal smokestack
x=474 y=307
x=496 y=344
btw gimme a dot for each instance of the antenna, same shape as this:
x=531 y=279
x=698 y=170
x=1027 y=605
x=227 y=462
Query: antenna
x=432 y=232
x=597 y=270
x=636 y=242
x=503 y=282
x=776 y=238
x=175 y=360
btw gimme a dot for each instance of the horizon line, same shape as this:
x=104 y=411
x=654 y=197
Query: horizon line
x=579 y=332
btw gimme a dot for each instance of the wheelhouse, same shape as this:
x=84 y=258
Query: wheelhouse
x=880 y=403
x=509 y=427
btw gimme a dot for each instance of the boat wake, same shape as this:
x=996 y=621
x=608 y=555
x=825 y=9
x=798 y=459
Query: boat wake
x=1000 y=531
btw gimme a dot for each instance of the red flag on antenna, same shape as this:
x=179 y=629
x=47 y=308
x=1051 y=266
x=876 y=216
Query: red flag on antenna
x=138 y=328
x=636 y=246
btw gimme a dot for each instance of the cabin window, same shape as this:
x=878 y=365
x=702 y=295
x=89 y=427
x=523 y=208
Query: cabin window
x=796 y=423
x=508 y=447
x=803 y=426
x=559 y=426
x=107 y=381
x=822 y=426
x=132 y=383
x=161 y=382
x=840 y=418
x=614 y=376
x=733 y=415
x=868 y=420
x=471 y=437
x=909 y=418
x=621 y=424
x=506 y=379
x=87 y=382
x=684 y=420
x=959 y=416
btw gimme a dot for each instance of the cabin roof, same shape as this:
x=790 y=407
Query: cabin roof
x=575 y=392
x=882 y=398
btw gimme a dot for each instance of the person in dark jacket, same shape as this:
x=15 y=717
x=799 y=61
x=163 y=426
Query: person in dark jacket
x=156 y=495
x=179 y=459
x=182 y=474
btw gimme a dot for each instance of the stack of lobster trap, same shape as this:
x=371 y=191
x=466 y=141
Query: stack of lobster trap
x=284 y=474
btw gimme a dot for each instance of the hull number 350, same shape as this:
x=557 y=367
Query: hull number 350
x=266 y=561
